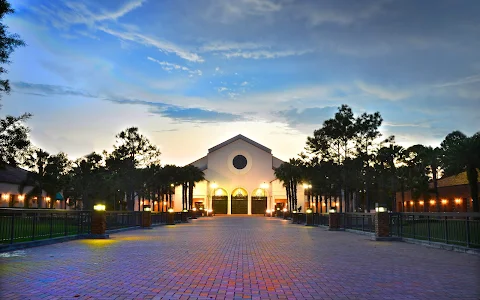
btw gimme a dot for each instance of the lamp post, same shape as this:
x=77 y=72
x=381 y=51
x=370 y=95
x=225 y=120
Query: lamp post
x=214 y=186
x=264 y=186
x=307 y=188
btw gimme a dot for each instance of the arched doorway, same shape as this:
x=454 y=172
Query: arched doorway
x=239 y=201
x=259 y=201
x=220 y=201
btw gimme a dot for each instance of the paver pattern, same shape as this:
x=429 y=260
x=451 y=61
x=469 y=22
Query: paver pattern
x=238 y=258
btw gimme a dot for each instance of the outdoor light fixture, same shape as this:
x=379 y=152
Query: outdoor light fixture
x=420 y=202
x=21 y=197
x=214 y=185
x=264 y=185
x=201 y=208
x=285 y=209
x=185 y=210
x=411 y=202
x=269 y=211
x=164 y=202
x=444 y=201
x=278 y=208
x=5 y=196
x=323 y=204
x=432 y=202
x=332 y=210
x=294 y=211
x=172 y=185
x=48 y=198
x=210 y=210
x=170 y=210
x=309 y=211
x=458 y=200
x=194 y=209
x=380 y=209
x=99 y=207
x=147 y=208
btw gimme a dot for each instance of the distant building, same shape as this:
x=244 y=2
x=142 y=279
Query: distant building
x=11 y=178
x=454 y=194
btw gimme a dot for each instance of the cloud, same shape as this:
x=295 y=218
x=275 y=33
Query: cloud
x=164 y=46
x=310 y=115
x=48 y=89
x=229 y=11
x=382 y=92
x=182 y=114
x=461 y=81
x=170 y=66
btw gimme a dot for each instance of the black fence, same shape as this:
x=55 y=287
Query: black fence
x=22 y=225
x=320 y=219
x=449 y=228
x=358 y=221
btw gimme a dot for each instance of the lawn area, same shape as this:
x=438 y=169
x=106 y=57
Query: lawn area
x=30 y=227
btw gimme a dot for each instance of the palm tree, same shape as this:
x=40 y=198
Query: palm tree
x=281 y=174
x=462 y=153
x=193 y=175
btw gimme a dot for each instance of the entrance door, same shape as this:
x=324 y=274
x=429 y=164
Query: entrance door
x=220 y=204
x=239 y=201
x=259 y=205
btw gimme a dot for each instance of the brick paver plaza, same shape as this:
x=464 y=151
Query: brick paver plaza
x=235 y=258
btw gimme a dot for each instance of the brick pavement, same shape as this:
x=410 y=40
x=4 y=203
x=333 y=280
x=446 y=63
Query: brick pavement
x=238 y=258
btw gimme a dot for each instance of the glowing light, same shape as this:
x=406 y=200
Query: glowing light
x=147 y=209
x=172 y=185
x=294 y=211
x=185 y=210
x=337 y=204
x=432 y=202
x=285 y=210
x=210 y=210
x=458 y=201
x=164 y=202
x=264 y=185
x=5 y=196
x=444 y=201
x=420 y=202
x=219 y=192
x=21 y=197
x=323 y=204
x=99 y=207
x=380 y=209
x=170 y=210
x=141 y=202
x=214 y=185
x=411 y=202
x=155 y=202
x=332 y=210
x=48 y=198
x=194 y=209
x=269 y=211
x=309 y=210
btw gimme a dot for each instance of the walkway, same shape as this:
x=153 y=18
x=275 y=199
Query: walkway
x=235 y=257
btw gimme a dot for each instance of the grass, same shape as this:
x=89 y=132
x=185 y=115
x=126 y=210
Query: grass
x=28 y=228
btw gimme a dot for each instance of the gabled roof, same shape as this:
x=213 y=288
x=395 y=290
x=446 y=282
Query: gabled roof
x=13 y=175
x=239 y=137
x=459 y=179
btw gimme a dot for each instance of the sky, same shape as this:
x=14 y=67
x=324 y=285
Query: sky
x=192 y=74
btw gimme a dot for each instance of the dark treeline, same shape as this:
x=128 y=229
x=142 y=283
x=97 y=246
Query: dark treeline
x=347 y=159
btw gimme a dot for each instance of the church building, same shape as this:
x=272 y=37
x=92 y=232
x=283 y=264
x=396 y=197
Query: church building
x=239 y=179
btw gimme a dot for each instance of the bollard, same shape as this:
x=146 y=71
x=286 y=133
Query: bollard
x=309 y=217
x=184 y=216
x=333 y=220
x=170 y=217
x=99 y=222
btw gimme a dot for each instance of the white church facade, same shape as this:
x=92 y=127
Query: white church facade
x=239 y=179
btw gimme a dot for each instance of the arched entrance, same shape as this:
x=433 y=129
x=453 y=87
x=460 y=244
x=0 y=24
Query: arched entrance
x=220 y=201
x=259 y=201
x=239 y=201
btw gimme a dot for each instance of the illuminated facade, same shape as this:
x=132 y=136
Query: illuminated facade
x=240 y=179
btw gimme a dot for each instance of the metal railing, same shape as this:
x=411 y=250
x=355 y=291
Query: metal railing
x=450 y=228
x=320 y=219
x=159 y=218
x=123 y=219
x=358 y=221
x=22 y=225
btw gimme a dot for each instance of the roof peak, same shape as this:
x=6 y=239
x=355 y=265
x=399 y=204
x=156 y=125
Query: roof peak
x=240 y=137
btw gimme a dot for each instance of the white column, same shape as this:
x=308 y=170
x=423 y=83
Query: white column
x=249 y=199
x=229 y=204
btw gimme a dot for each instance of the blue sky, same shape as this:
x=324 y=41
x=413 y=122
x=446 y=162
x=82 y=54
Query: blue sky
x=191 y=74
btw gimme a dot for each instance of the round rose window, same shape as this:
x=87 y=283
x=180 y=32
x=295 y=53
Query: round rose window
x=239 y=162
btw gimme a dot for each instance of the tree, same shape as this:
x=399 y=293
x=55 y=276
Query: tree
x=132 y=150
x=462 y=153
x=56 y=175
x=8 y=43
x=13 y=134
x=14 y=141
x=37 y=161
x=86 y=178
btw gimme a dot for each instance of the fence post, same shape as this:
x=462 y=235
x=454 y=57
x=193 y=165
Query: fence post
x=34 y=225
x=51 y=224
x=12 y=228
x=428 y=227
x=446 y=231
x=467 y=231
x=65 y=223
x=414 y=224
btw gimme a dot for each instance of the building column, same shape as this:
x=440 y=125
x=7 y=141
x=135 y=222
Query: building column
x=249 y=201
x=229 y=204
